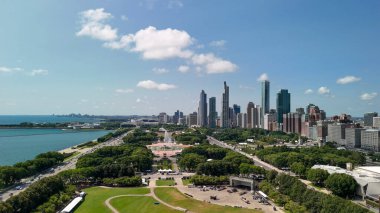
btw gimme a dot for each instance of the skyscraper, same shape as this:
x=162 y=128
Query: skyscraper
x=212 y=112
x=265 y=105
x=236 y=108
x=202 y=109
x=225 y=107
x=250 y=108
x=368 y=118
x=283 y=105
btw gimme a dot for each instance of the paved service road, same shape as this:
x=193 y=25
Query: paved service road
x=69 y=164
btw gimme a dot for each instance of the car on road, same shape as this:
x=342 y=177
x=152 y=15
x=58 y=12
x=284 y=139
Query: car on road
x=19 y=187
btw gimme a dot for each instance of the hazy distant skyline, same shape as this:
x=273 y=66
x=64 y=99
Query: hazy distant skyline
x=150 y=56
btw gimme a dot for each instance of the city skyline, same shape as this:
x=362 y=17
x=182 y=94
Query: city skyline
x=147 y=57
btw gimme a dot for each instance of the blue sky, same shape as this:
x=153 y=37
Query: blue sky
x=149 y=56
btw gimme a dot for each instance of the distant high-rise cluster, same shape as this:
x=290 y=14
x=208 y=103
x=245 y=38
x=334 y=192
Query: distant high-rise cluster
x=310 y=122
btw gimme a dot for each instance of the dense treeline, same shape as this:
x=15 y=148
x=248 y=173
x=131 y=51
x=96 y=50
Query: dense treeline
x=282 y=156
x=168 y=127
x=200 y=180
x=221 y=161
x=115 y=134
x=123 y=181
x=12 y=174
x=57 y=201
x=141 y=137
x=241 y=135
x=37 y=194
x=291 y=193
x=138 y=157
x=190 y=137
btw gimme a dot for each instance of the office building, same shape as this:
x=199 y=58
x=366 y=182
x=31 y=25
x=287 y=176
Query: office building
x=242 y=120
x=265 y=98
x=192 y=119
x=368 y=118
x=253 y=115
x=371 y=140
x=336 y=133
x=376 y=122
x=177 y=115
x=212 y=112
x=283 y=105
x=225 y=119
x=353 y=137
x=202 y=109
x=269 y=119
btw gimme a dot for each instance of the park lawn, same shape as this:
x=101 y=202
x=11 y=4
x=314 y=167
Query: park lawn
x=186 y=182
x=174 y=197
x=140 y=204
x=165 y=182
x=96 y=196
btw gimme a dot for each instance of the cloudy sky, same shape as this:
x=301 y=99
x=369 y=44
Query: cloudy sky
x=149 y=56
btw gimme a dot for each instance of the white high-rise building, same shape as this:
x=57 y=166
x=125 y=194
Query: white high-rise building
x=376 y=122
x=371 y=140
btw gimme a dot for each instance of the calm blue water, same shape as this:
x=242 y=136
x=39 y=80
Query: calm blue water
x=23 y=144
x=17 y=119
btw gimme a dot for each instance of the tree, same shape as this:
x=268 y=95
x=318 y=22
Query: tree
x=341 y=184
x=317 y=176
x=246 y=168
x=191 y=161
x=298 y=168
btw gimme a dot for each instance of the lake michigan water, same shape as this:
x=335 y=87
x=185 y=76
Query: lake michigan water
x=24 y=144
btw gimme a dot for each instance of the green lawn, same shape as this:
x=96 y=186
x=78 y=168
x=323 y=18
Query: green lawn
x=172 y=196
x=186 y=182
x=96 y=196
x=165 y=182
x=140 y=204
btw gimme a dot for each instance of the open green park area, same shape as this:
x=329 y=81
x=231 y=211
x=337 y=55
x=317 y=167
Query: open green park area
x=165 y=182
x=140 y=204
x=172 y=196
x=96 y=197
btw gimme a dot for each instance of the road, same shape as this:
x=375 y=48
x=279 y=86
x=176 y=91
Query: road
x=255 y=159
x=69 y=164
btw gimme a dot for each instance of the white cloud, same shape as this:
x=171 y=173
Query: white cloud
x=213 y=64
x=263 y=77
x=124 y=91
x=175 y=4
x=368 y=96
x=124 y=18
x=160 y=70
x=10 y=69
x=153 y=43
x=38 y=72
x=183 y=69
x=123 y=43
x=219 y=43
x=308 y=91
x=162 y=44
x=93 y=25
x=149 y=84
x=347 y=79
x=138 y=100
x=323 y=90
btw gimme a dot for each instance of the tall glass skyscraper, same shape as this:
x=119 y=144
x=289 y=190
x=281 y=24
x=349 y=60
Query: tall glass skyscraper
x=265 y=97
x=283 y=104
x=202 y=109
x=212 y=112
x=225 y=107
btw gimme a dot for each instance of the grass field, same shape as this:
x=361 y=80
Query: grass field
x=186 y=182
x=96 y=196
x=165 y=182
x=172 y=196
x=140 y=204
